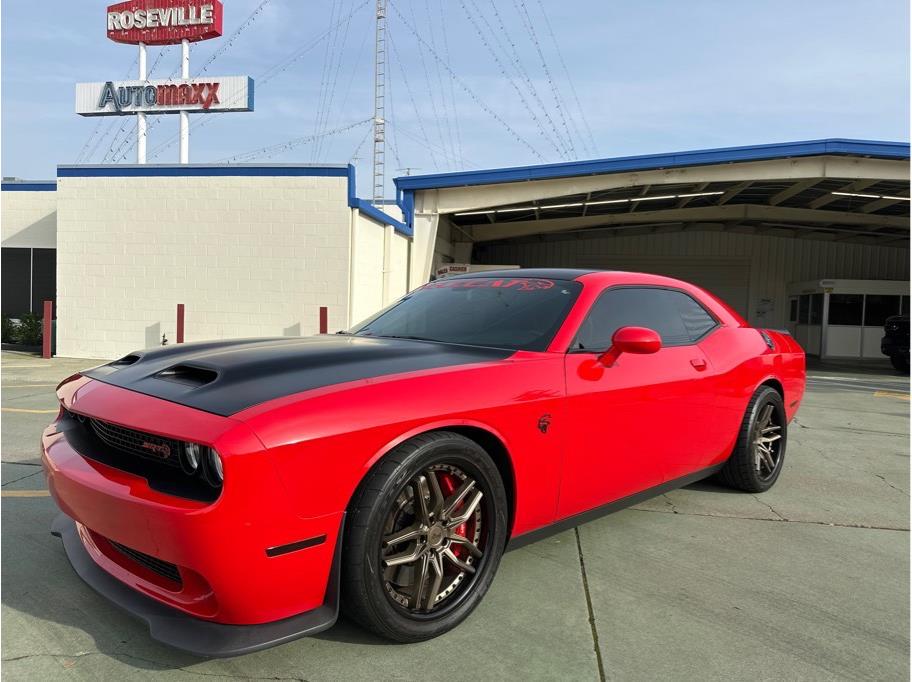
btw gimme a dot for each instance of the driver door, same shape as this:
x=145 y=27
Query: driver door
x=631 y=422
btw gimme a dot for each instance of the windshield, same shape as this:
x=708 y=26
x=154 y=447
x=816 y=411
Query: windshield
x=517 y=313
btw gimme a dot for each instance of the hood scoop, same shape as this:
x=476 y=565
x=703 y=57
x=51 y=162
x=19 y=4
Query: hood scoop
x=188 y=375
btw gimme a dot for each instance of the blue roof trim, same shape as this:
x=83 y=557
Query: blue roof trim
x=372 y=211
x=200 y=170
x=37 y=186
x=885 y=150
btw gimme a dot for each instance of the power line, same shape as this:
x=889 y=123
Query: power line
x=408 y=88
x=272 y=150
x=430 y=90
x=569 y=80
x=440 y=88
x=225 y=46
x=522 y=72
x=524 y=13
x=446 y=56
x=95 y=130
x=334 y=81
x=270 y=73
x=467 y=89
x=506 y=76
x=328 y=54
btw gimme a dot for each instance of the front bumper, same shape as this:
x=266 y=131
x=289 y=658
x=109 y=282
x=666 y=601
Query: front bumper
x=174 y=628
x=245 y=562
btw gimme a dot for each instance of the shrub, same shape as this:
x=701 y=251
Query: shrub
x=28 y=332
x=9 y=330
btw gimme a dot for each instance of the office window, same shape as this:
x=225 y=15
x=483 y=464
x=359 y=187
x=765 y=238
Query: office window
x=846 y=309
x=878 y=307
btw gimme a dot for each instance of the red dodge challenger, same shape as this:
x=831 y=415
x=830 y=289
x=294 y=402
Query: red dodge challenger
x=237 y=494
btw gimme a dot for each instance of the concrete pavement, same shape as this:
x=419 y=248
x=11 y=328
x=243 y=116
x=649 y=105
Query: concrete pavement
x=807 y=581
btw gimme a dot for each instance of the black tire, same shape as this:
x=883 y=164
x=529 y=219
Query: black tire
x=900 y=363
x=743 y=469
x=368 y=596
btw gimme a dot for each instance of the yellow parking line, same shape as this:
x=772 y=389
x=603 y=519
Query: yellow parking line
x=26 y=493
x=26 y=385
x=890 y=394
x=22 y=409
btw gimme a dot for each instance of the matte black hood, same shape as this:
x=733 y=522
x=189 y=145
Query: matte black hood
x=225 y=377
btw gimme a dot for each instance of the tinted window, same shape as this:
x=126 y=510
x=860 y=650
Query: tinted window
x=520 y=313
x=804 y=308
x=676 y=317
x=904 y=306
x=878 y=308
x=16 y=269
x=793 y=310
x=816 y=308
x=845 y=309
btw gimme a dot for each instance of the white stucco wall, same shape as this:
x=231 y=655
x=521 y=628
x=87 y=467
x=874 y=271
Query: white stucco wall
x=28 y=219
x=248 y=256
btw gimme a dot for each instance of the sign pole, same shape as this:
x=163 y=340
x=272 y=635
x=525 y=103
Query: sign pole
x=141 y=117
x=184 y=115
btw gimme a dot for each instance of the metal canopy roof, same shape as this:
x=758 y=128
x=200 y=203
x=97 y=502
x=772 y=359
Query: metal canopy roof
x=829 y=146
x=850 y=190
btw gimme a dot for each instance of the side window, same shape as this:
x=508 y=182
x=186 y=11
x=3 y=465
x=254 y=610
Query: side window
x=677 y=318
x=696 y=320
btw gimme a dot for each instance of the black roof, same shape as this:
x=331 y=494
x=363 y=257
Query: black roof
x=537 y=273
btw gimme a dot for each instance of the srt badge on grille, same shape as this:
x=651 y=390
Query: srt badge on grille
x=158 y=449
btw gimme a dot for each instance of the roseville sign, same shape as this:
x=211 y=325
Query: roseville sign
x=164 y=22
x=200 y=95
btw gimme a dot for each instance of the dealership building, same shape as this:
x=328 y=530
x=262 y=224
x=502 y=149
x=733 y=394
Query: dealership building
x=809 y=236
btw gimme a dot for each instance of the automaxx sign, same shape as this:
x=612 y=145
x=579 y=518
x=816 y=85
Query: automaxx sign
x=201 y=95
x=164 y=22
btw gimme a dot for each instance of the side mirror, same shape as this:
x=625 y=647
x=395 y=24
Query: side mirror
x=639 y=340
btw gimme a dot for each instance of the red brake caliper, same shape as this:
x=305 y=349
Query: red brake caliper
x=448 y=485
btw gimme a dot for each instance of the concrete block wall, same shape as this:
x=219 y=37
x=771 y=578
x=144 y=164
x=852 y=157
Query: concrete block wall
x=380 y=266
x=248 y=256
x=28 y=218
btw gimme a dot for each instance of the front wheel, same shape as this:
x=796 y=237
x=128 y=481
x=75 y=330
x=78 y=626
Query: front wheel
x=759 y=453
x=426 y=531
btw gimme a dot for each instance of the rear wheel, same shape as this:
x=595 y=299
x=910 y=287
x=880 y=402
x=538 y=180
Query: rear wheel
x=759 y=453
x=900 y=363
x=427 y=529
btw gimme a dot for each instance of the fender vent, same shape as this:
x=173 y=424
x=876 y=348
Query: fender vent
x=188 y=375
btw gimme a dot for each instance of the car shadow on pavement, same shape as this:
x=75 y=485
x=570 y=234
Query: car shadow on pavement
x=77 y=616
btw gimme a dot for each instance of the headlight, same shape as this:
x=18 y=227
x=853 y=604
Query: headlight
x=190 y=458
x=215 y=467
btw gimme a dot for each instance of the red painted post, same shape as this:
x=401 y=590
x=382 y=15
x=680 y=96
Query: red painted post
x=324 y=319
x=180 y=322
x=47 y=328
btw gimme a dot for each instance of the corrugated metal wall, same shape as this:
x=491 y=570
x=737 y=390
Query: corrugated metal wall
x=774 y=261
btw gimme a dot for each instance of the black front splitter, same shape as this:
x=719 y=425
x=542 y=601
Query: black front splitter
x=181 y=631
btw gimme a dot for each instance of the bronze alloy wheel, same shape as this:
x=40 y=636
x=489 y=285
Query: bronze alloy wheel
x=424 y=535
x=433 y=539
x=767 y=444
x=757 y=458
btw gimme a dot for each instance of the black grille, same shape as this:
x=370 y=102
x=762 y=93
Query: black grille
x=162 y=568
x=158 y=448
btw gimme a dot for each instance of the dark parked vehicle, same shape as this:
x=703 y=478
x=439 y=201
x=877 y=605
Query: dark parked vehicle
x=895 y=342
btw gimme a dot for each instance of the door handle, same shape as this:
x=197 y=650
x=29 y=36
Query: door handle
x=699 y=364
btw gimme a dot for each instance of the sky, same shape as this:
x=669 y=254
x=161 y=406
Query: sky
x=472 y=83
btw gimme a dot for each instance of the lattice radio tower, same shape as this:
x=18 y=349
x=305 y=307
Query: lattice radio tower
x=379 y=93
